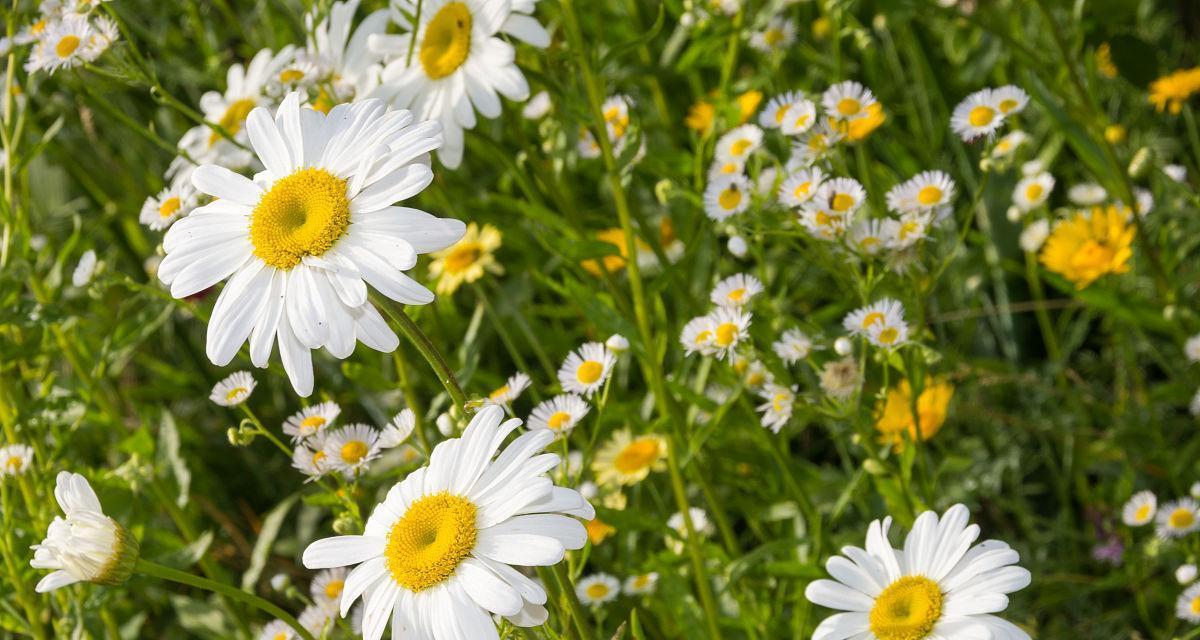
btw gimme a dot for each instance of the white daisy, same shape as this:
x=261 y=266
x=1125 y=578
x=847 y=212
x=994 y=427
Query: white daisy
x=937 y=586
x=1191 y=348
x=1086 y=194
x=799 y=119
x=585 y=369
x=821 y=222
x=640 y=584
x=736 y=290
x=977 y=115
x=700 y=524
x=868 y=237
x=398 y=430
x=697 y=336
x=910 y=229
x=772 y=114
x=436 y=554
x=892 y=332
x=1177 y=519
x=85 y=269
x=346 y=65
x=537 y=107
x=737 y=246
x=754 y=373
x=727 y=197
x=1186 y=574
x=847 y=100
x=841 y=196
x=730 y=326
x=311 y=420
x=277 y=630
x=1007 y=144
x=86 y=545
x=597 y=589
x=327 y=587
x=15 y=459
x=1010 y=99
x=234 y=389
x=739 y=143
x=559 y=414
x=1140 y=509
x=69 y=42
x=300 y=244
x=801 y=186
x=813 y=145
x=299 y=73
x=1034 y=235
x=793 y=346
x=779 y=34
x=1187 y=607
x=1033 y=191
x=459 y=62
x=174 y=202
x=924 y=191
x=509 y=391
x=351 y=449
x=777 y=408
x=316 y=620
x=309 y=457
x=725 y=169
x=616 y=123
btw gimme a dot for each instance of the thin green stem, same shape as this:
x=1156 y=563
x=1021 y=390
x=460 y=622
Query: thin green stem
x=428 y=351
x=573 y=606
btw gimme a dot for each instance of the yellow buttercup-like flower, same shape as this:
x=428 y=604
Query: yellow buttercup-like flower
x=612 y=263
x=1090 y=245
x=700 y=116
x=748 y=104
x=895 y=412
x=1172 y=90
x=468 y=259
x=860 y=128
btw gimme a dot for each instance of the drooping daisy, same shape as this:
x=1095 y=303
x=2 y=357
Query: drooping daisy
x=468 y=259
x=793 y=346
x=597 y=589
x=351 y=449
x=327 y=587
x=779 y=400
x=86 y=545
x=730 y=326
x=309 y=457
x=234 y=389
x=895 y=420
x=700 y=524
x=977 y=115
x=1140 y=509
x=841 y=378
x=586 y=369
x=1010 y=99
x=736 y=290
x=15 y=459
x=779 y=34
x=174 y=202
x=772 y=115
x=1187 y=607
x=84 y=269
x=641 y=584
x=739 y=143
x=458 y=61
x=725 y=197
x=801 y=186
x=924 y=191
x=617 y=343
x=627 y=459
x=70 y=42
x=1033 y=191
x=1177 y=519
x=936 y=587
x=436 y=555
x=559 y=414
x=859 y=321
x=847 y=100
x=868 y=237
x=311 y=420
x=509 y=391
x=1089 y=245
x=300 y=245
x=398 y=430
x=277 y=630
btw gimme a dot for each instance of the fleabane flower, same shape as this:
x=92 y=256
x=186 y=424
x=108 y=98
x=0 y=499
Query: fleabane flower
x=327 y=587
x=301 y=242
x=778 y=402
x=847 y=100
x=346 y=66
x=398 y=430
x=640 y=584
x=70 y=42
x=437 y=554
x=736 y=290
x=597 y=589
x=924 y=191
x=869 y=237
x=772 y=115
x=937 y=586
x=1187 y=606
x=1033 y=191
x=85 y=545
x=977 y=115
x=841 y=196
x=559 y=414
x=727 y=196
x=309 y=457
x=277 y=630
x=1177 y=519
x=739 y=143
x=779 y=34
x=730 y=326
x=799 y=118
x=616 y=124
x=175 y=201
x=883 y=311
x=312 y=420
x=15 y=459
x=1010 y=99
x=233 y=390
x=509 y=391
x=1140 y=509
x=814 y=145
x=459 y=64
x=585 y=369
x=793 y=346
x=798 y=188
x=351 y=449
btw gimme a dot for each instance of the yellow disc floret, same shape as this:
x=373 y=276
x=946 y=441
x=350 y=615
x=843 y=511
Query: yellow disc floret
x=303 y=214
x=447 y=40
x=426 y=545
x=907 y=609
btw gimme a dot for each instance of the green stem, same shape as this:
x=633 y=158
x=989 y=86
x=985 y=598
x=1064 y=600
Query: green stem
x=423 y=344
x=574 y=607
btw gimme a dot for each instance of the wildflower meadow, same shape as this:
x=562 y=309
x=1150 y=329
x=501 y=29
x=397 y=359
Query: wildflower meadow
x=592 y=320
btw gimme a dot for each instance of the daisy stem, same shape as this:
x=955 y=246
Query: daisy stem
x=173 y=575
x=574 y=607
x=410 y=397
x=651 y=365
x=431 y=354
x=287 y=451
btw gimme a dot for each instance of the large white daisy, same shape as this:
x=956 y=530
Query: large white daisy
x=938 y=587
x=436 y=556
x=301 y=242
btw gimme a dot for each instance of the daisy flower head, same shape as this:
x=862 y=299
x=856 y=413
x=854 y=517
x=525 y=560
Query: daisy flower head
x=1191 y=348
x=840 y=196
x=800 y=187
x=311 y=420
x=299 y=73
x=459 y=64
x=640 y=584
x=924 y=191
x=300 y=244
x=814 y=145
x=1010 y=99
x=345 y=64
x=15 y=459
x=730 y=326
x=977 y=115
x=438 y=553
x=884 y=311
x=868 y=237
x=69 y=42
x=316 y=619
x=537 y=107
x=1087 y=194
x=847 y=100
x=936 y=586
x=1008 y=144
x=700 y=524
x=1033 y=191
x=1090 y=245
x=754 y=373
x=910 y=229
x=739 y=143
x=398 y=430
x=697 y=336
x=597 y=589
x=559 y=414
x=892 y=332
x=725 y=169
x=277 y=630
x=85 y=545
x=174 y=202
x=233 y=390
x=351 y=449
x=1034 y=235
x=1140 y=509
x=627 y=459
x=772 y=116
x=84 y=269
x=586 y=369
x=728 y=196
x=799 y=118
x=327 y=587
x=509 y=391
x=1177 y=519
x=616 y=125
x=468 y=259
x=736 y=290
x=617 y=343
x=821 y=222
x=1186 y=573
x=309 y=457
x=779 y=400
x=1187 y=607
x=779 y=34
x=793 y=346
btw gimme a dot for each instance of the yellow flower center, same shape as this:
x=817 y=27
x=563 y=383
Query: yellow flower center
x=559 y=420
x=818 y=142
x=803 y=189
x=597 y=590
x=781 y=112
x=447 y=40
x=333 y=590
x=726 y=333
x=773 y=36
x=66 y=46
x=233 y=119
x=324 y=102
x=303 y=214
x=907 y=609
x=889 y=335
x=462 y=257
x=981 y=116
x=426 y=545
x=929 y=195
x=313 y=422
x=849 y=106
x=1181 y=518
x=730 y=198
x=1033 y=192
x=871 y=318
x=14 y=463
x=499 y=393
x=781 y=401
x=641 y=581
x=801 y=121
x=736 y=295
x=589 y=372
x=169 y=207
x=288 y=76
x=637 y=456
x=1142 y=513
x=1007 y=105
x=739 y=147
x=703 y=336
x=842 y=202
x=318 y=458
x=235 y=393
x=282 y=635
x=1195 y=606
x=618 y=119
x=353 y=452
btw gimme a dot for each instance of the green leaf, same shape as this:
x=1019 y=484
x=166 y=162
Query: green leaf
x=266 y=539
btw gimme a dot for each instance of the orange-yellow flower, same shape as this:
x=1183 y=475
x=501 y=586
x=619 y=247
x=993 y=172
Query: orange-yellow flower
x=598 y=531
x=1090 y=245
x=895 y=412
x=1104 y=62
x=1172 y=90
x=612 y=263
x=700 y=116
